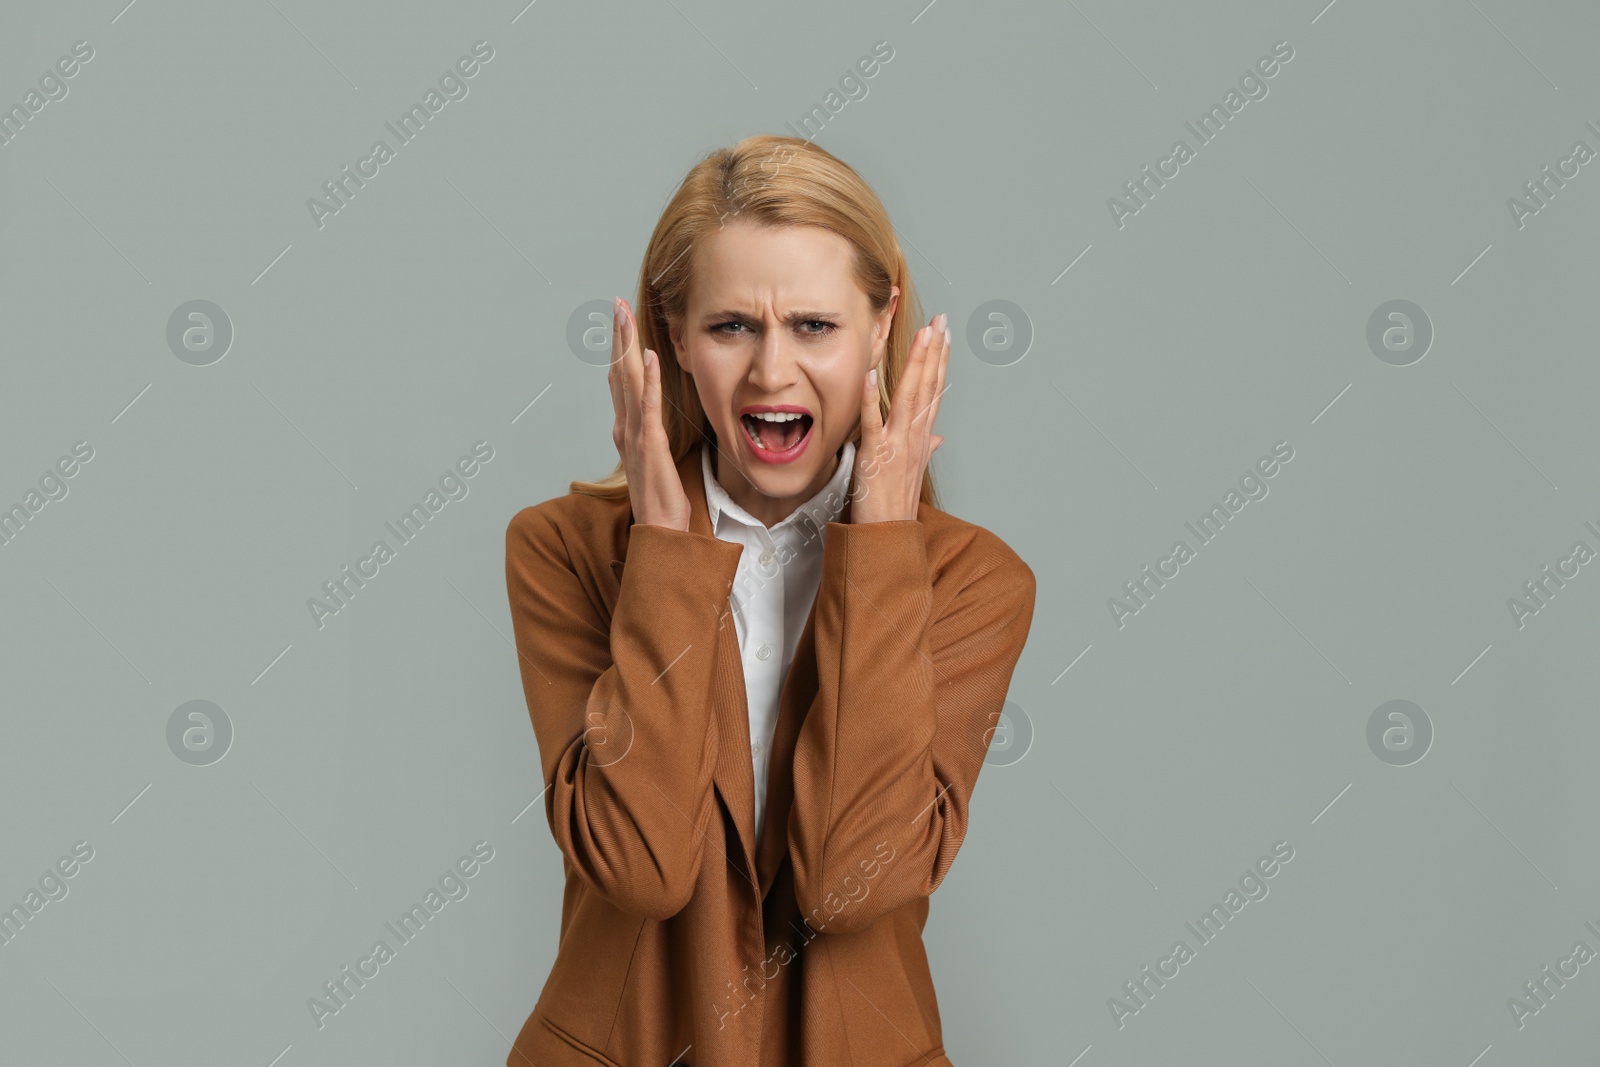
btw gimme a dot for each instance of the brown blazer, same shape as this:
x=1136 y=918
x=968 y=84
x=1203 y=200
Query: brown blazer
x=683 y=937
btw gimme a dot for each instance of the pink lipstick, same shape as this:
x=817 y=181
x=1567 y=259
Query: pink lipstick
x=776 y=433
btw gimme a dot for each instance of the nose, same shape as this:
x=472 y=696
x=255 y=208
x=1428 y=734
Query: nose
x=773 y=368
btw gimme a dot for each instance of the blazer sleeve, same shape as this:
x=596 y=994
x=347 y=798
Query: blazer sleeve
x=622 y=713
x=887 y=757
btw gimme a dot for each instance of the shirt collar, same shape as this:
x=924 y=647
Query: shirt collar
x=821 y=509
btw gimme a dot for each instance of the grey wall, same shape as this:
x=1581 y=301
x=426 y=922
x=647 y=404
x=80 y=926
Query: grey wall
x=1441 y=855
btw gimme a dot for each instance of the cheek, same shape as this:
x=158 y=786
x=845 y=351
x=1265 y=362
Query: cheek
x=839 y=383
x=714 y=383
x=841 y=404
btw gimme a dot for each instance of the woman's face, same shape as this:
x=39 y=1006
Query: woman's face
x=775 y=319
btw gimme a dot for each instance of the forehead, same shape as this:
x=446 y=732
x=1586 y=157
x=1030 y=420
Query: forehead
x=744 y=264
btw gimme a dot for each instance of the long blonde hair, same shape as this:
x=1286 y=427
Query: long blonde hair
x=770 y=181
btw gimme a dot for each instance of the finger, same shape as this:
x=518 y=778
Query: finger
x=623 y=336
x=902 y=410
x=942 y=366
x=619 y=403
x=613 y=375
x=926 y=372
x=930 y=372
x=650 y=398
x=937 y=440
x=871 y=416
x=630 y=368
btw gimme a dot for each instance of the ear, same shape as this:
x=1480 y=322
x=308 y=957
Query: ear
x=880 y=328
x=680 y=351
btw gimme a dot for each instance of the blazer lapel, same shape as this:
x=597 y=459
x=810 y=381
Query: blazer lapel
x=798 y=694
x=733 y=775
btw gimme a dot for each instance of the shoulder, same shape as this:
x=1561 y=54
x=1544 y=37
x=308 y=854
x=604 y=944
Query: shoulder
x=573 y=525
x=962 y=552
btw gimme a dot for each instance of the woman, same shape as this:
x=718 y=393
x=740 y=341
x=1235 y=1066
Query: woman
x=753 y=816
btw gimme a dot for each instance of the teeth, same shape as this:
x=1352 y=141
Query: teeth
x=768 y=416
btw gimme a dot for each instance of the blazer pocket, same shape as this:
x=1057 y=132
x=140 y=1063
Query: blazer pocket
x=588 y=1050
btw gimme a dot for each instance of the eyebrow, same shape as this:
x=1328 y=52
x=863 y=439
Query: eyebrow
x=802 y=315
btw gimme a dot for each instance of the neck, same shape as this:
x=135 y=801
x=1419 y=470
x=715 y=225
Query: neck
x=767 y=510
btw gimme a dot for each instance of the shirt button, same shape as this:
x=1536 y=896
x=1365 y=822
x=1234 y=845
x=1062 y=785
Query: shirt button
x=764 y=652
x=766 y=559
x=757 y=748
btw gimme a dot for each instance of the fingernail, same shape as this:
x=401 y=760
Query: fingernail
x=649 y=357
x=872 y=377
x=938 y=324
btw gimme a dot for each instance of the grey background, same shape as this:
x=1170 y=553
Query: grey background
x=1229 y=314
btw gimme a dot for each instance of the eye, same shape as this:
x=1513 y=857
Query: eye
x=823 y=327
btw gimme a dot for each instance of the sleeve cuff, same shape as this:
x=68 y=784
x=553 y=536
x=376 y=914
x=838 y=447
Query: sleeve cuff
x=675 y=564
x=895 y=550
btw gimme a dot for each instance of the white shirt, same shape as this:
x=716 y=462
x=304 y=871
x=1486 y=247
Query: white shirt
x=773 y=591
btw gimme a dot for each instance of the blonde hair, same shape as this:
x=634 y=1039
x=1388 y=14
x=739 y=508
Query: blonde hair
x=769 y=181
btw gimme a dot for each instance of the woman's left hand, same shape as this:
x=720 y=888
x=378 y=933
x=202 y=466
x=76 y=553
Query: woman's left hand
x=886 y=485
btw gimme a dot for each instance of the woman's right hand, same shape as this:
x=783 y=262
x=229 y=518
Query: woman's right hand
x=654 y=487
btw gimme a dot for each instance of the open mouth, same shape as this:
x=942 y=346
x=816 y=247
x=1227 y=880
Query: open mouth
x=776 y=431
